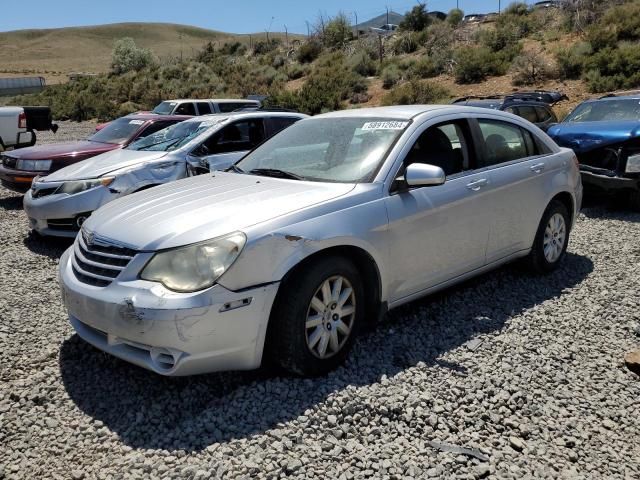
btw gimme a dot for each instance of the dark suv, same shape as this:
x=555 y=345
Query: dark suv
x=532 y=106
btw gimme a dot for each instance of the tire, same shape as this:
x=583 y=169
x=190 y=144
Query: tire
x=547 y=251
x=298 y=349
x=633 y=200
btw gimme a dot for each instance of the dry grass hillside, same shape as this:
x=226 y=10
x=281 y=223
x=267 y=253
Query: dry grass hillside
x=53 y=53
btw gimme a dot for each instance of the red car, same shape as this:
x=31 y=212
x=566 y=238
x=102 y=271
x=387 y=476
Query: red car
x=19 y=167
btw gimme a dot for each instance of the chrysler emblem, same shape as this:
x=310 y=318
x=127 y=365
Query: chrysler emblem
x=90 y=238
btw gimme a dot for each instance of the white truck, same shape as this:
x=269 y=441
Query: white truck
x=18 y=125
x=203 y=107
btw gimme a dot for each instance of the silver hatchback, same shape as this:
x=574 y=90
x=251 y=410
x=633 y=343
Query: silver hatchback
x=318 y=231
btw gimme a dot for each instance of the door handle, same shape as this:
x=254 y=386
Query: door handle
x=477 y=185
x=537 y=168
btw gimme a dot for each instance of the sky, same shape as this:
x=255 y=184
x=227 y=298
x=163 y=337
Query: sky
x=239 y=16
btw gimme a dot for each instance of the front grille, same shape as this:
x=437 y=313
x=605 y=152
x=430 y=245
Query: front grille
x=9 y=162
x=99 y=265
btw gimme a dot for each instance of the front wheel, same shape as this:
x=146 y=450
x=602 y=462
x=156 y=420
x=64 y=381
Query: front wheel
x=317 y=317
x=552 y=239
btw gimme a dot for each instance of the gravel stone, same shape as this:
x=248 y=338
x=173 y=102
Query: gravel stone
x=547 y=370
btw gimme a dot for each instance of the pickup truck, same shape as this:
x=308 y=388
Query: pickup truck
x=18 y=125
x=202 y=107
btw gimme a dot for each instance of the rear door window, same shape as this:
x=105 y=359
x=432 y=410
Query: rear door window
x=528 y=113
x=204 y=108
x=503 y=142
x=545 y=115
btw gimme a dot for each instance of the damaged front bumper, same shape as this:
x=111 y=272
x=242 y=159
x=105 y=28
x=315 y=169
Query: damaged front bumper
x=169 y=333
x=608 y=181
x=62 y=215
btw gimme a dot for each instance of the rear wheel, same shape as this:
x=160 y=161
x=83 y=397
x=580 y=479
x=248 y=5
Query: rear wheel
x=552 y=239
x=317 y=317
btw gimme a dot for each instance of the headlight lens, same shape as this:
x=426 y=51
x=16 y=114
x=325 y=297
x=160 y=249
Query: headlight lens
x=34 y=165
x=193 y=268
x=633 y=164
x=81 y=185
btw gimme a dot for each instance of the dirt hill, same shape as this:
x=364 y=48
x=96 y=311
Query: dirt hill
x=53 y=53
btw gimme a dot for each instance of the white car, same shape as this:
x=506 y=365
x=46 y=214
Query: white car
x=319 y=231
x=59 y=203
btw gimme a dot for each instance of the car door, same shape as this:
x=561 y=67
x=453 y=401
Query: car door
x=546 y=117
x=230 y=144
x=516 y=164
x=440 y=232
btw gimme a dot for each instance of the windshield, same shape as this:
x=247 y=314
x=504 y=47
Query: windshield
x=117 y=132
x=348 y=149
x=165 y=108
x=173 y=137
x=606 y=110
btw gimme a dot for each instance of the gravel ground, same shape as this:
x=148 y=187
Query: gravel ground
x=524 y=372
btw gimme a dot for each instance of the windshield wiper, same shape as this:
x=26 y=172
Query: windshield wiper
x=172 y=140
x=233 y=168
x=275 y=172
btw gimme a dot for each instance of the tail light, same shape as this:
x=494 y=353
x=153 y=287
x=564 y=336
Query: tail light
x=22 y=120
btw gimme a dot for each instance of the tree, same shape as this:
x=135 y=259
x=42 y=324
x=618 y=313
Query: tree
x=455 y=16
x=417 y=19
x=127 y=56
x=528 y=69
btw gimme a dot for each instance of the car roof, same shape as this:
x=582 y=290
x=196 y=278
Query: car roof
x=613 y=97
x=246 y=114
x=219 y=100
x=405 y=112
x=156 y=117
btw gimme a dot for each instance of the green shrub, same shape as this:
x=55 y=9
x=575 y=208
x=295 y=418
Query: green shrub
x=337 y=32
x=517 y=8
x=296 y=71
x=390 y=76
x=416 y=93
x=262 y=47
x=571 y=60
x=405 y=43
x=309 y=51
x=613 y=68
x=474 y=64
x=363 y=64
x=455 y=16
x=126 y=56
x=417 y=19
x=528 y=69
x=424 y=67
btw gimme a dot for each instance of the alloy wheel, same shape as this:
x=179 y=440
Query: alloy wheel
x=330 y=317
x=555 y=236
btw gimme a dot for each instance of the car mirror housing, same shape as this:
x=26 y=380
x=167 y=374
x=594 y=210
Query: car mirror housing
x=424 y=175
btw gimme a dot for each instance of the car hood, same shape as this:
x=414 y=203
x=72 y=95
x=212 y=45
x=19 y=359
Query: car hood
x=103 y=164
x=204 y=207
x=586 y=136
x=63 y=150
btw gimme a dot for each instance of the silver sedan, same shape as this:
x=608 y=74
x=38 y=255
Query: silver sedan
x=318 y=231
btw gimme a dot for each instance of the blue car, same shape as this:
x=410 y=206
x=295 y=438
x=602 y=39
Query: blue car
x=605 y=135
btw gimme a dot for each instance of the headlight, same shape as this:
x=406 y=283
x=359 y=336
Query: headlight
x=34 y=165
x=633 y=164
x=196 y=267
x=81 y=185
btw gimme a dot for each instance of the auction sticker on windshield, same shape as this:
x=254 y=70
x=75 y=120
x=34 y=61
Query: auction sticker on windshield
x=136 y=122
x=385 y=125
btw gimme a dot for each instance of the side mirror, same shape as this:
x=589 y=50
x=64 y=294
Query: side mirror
x=424 y=175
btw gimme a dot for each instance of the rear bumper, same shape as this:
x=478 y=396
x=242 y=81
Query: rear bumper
x=166 y=332
x=17 y=180
x=607 y=183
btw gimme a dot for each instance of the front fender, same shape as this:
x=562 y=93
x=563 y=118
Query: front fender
x=269 y=258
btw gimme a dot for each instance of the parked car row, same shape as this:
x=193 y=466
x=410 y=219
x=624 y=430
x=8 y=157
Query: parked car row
x=274 y=236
